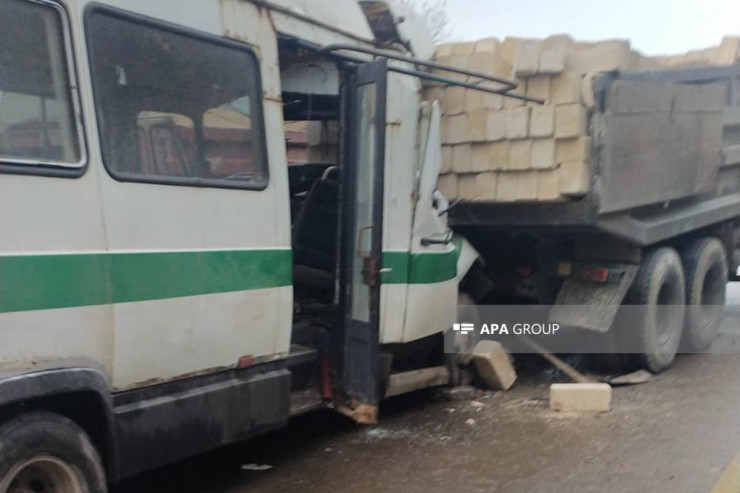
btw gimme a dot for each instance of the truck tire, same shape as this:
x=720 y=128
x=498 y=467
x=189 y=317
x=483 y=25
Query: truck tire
x=705 y=265
x=46 y=452
x=654 y=333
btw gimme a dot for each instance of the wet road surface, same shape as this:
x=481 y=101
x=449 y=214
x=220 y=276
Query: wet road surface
x=675 y=433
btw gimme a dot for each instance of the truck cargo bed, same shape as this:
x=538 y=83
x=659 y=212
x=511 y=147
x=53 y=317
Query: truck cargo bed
x=665 y=146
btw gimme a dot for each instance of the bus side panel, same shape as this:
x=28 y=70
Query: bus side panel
x=201 y=275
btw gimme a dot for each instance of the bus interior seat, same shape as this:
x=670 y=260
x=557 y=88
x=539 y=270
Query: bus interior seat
x=301 y=178
x=315 y=232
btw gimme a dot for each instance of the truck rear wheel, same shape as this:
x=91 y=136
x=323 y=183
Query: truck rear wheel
x=705 y=265
x=43 y=452
x=654 y=333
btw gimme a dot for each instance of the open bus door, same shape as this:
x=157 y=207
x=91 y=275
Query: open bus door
x=364 y=155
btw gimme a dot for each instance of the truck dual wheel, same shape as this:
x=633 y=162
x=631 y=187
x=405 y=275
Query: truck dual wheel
x=705 y=264
x=654 y=332
x=43 y=452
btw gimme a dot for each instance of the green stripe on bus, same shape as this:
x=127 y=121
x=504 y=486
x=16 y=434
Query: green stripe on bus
x=419 y=268
x=38 y=282
x=41 y=282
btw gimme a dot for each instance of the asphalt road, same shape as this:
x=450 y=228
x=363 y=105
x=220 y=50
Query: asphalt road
x=675 y=433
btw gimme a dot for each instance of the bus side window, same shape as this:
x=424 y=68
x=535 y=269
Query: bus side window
x=197 y=98
x=37 y=121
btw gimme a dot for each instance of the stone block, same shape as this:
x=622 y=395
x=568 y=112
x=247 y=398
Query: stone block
x=516 y=186
x=520 y=154
x=434 y=93
x=603 y=56
x=509 y=48
x=446 y=165
x=453 y=100
x=489 y=63
x=543 y=154
x=553 y=54
x=539 y=87
x=588 y=98
x=521 y=88
x=482 y=62
x=447 y=184
x=574 y=178
x=474 y=100
x=699 y=58
x=526 y=58
x=476 y=125
x=461 y=156
x=542 y=121
x=517 y=122
x=479 y=158
x=506 y=188
x=570 y=121
x=496 y=125
x=565 y=89
x=492 y=101
x=576 y=149
x=443 y=51
x=526 y=189
x=499 y=155
x=489 y=156
x=454 y=128
x=588 y=397
x=485 y=186
x=494 y=365
x=487 y=45
x=466 y=187
x=642 y=63
x=728 y=52
x=462 y=49
x=548 y=185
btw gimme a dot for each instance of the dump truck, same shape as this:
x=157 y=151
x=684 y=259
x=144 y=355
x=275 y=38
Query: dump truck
x=621 y=189
x=175 y=276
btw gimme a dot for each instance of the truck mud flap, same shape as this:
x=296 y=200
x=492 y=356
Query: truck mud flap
x=588 y=305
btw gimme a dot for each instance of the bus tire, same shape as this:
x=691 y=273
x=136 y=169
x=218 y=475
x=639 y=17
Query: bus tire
x=654 y=333
x=705 y=265
x=43 y=451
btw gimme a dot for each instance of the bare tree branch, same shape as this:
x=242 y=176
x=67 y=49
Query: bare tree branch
x=435 y=13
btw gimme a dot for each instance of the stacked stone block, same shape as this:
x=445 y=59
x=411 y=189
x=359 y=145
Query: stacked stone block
x=498 y=149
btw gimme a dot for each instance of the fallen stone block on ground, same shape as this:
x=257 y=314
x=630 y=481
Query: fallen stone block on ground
x=582 y=397
x=494 y=365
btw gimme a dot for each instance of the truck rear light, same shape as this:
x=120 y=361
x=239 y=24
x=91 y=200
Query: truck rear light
x=594 y=274
x=245 y=361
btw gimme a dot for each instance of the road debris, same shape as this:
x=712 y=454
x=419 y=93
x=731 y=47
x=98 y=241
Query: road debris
x=459 y=393
x=634 y=378
x=494 y=365
x=589 y=397
x=256 y=467
x=380 y=433
x=561 y=365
